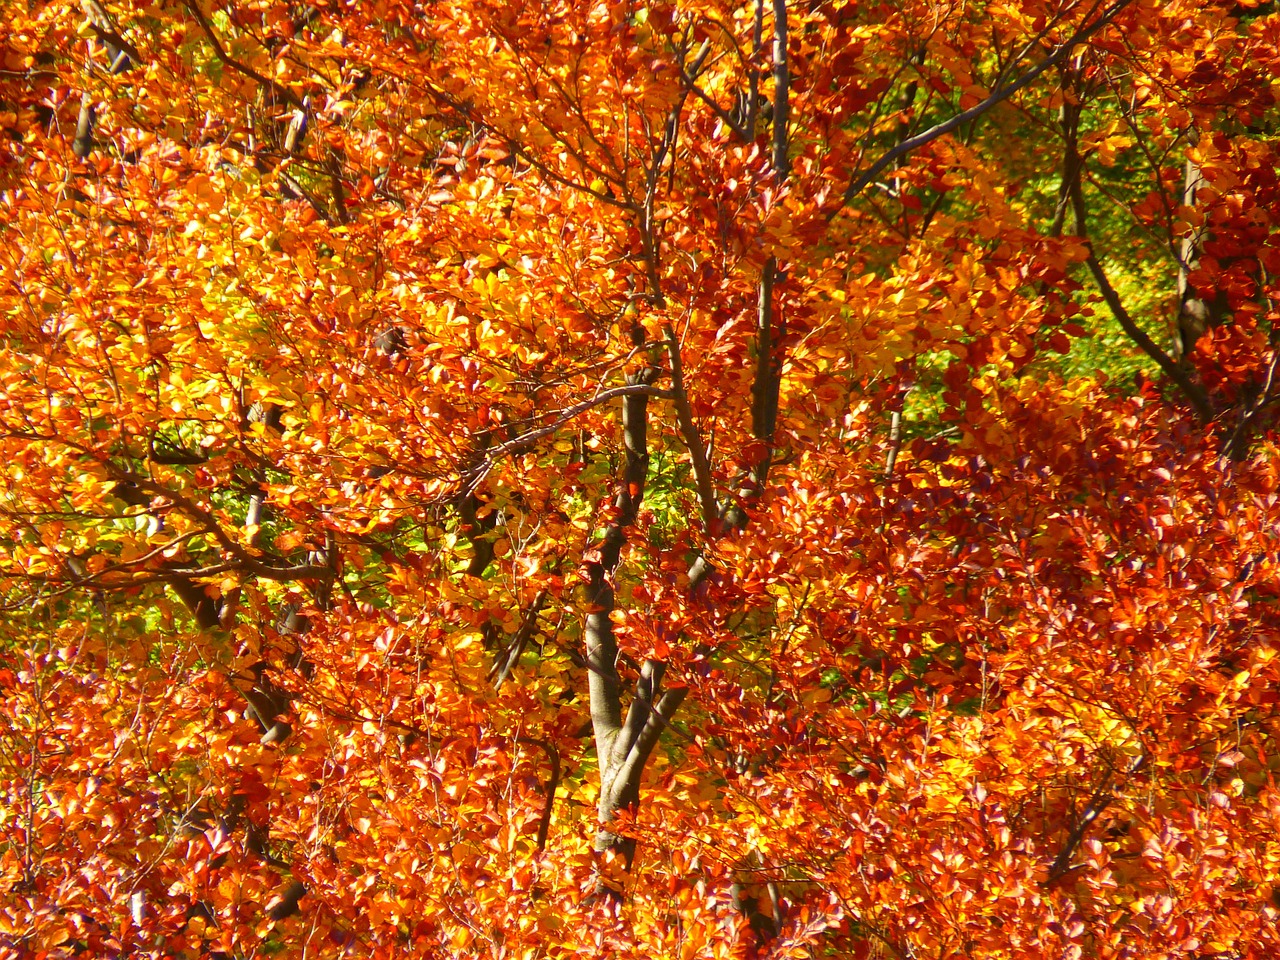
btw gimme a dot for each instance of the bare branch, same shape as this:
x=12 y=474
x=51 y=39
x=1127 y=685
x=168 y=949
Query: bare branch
x=614 y=739
x=781 y=92
x=1190 y=389
x=473 y=477
x=753 y=82
x=692 y=440
x=553 y=782
x=726 y=118
x=996 y=97
x=1098 y=803
x=221 y=53
x=895 y=443
x=504 y=664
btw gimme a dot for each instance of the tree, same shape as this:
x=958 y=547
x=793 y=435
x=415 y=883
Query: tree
x=685 y=479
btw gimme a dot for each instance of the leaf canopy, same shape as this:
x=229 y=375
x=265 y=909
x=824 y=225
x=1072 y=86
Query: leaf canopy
x=675 y=479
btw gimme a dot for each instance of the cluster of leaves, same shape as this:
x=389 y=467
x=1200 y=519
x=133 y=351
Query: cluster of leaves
x=636 y=479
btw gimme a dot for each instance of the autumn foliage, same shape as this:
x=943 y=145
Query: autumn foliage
x=676 y=479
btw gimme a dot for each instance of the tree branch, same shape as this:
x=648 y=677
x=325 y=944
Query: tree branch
x=767 y=383
x=1098 y=803
x=781 y=92
x=753 y=82
x=473 y=477
x=604 y=684
x=1190 y=389
x=553 y=783
x=692 y=440
x=221 y=53
x=996 y=97
x=503 y=666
